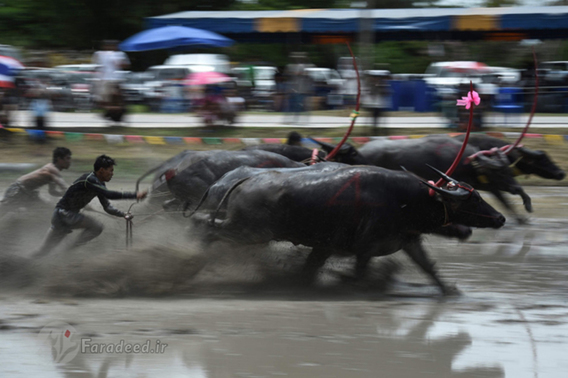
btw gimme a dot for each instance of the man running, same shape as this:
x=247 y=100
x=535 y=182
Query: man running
x=67 y=216
x=25 y=191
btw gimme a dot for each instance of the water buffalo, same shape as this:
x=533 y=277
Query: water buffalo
x=296 y=153
x=352 y=210
x=491 y=174
x=213 y=197
x=191 y=177
x=524 y=160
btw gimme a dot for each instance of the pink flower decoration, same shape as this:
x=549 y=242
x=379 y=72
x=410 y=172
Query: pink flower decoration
x=471 y=97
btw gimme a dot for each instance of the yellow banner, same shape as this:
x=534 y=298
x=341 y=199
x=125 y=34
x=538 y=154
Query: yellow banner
x=154 y=140
x=476 y=22
x=554 y=139
x=278 y=25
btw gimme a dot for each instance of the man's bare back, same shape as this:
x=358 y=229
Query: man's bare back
x=25 y=189
x=48 y=174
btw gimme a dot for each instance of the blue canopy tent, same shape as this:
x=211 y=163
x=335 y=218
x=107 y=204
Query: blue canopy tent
x=168 y=37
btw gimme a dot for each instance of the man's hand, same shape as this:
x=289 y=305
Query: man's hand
x=141 y=195
x=128 y=216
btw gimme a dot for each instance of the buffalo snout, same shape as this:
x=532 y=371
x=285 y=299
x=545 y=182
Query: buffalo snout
x=499 y=221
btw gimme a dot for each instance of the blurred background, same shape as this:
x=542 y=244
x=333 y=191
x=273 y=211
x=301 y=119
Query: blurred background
x=291 y=57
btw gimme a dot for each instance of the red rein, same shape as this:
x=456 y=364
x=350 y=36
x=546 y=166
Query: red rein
x=334 y=151
x=508 y=148
x=464 y=144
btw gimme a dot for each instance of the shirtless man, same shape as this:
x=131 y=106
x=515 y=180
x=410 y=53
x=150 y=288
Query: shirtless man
x=67 y=215
x=25 y=191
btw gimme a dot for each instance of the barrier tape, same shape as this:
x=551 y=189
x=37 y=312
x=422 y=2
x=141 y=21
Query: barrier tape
x=551 y=139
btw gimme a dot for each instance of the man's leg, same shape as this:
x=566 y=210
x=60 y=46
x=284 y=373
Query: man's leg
x=91 y=229
x=52 y=240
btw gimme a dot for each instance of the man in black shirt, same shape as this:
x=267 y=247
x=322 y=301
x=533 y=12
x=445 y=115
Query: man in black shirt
x=67 y=217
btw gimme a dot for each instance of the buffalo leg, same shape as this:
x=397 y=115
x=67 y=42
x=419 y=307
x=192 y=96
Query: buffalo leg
x=361 y=265
x=315 y=260
x=417 y=253
x=454 y=231
x=509 y=207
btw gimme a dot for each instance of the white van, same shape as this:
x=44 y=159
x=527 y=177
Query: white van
x=200 y=62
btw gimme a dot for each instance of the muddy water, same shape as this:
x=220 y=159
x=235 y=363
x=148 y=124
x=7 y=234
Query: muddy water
x=246 y=317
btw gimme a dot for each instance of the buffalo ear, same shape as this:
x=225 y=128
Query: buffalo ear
x=531 y=153
x=488 y=162
x=326 y=146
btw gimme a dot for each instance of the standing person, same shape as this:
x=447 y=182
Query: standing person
x=67 y=216
x=40 y=106
x=377 y=100
x=25 y=191
x=110 y=61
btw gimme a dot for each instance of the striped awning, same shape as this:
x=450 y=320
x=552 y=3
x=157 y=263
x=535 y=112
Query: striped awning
x=411 y=22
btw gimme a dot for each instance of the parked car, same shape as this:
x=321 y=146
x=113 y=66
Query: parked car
x=77 y=67
x=11 y=51
x=200 y=62
x=160 y=80
x=328 y=86
x=557 y=71
x=453 y=74
x=325 y=79
x=134 y=87
x=259 y=88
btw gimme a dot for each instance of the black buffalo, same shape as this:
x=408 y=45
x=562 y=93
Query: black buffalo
x=191 y=177
x=525 y=161
x=491 y=174
x=362 y=211
x=213 y=197
x=296 y=153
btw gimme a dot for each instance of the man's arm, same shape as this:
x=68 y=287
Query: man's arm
x=109 y=208
x=56 y=183
x=93 y=184
x=113 y=210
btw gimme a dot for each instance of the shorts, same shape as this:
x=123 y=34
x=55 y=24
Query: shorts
x=106 y=89
x=17 y=195
x=65 y=220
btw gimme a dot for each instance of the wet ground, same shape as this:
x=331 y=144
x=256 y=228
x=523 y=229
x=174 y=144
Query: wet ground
x=241 y=313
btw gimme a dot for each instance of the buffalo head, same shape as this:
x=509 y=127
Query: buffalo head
x=464 y=205
x=347 y=154
x=536 y=162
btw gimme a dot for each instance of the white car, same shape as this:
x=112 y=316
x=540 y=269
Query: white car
x=264 y=83
x=78 y=67
x=453 y=74
x=200 y=62
x=160 y=79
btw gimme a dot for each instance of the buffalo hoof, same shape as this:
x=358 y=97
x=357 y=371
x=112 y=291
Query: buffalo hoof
x=451 y=291
x=522 y=220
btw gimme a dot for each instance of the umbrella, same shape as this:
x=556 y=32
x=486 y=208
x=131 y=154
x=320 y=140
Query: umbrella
x=206 y=78
x=173 y=36
x=8 y=68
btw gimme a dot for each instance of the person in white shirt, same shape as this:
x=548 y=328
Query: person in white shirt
x=111 y=61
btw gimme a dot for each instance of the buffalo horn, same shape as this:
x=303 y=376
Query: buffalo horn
x=323 y=144
x=442 y=174
x=530 y=153
x=326 y=146
x=459 y=194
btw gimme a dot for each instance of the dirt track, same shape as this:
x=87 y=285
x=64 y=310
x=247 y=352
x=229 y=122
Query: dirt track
x=242 y=313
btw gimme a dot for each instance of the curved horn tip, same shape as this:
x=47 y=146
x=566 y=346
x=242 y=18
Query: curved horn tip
x=442 y=174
